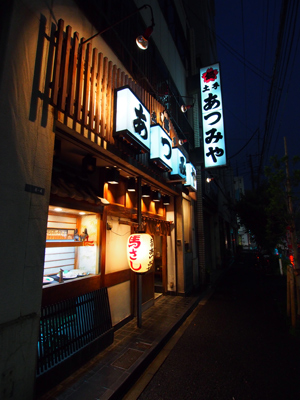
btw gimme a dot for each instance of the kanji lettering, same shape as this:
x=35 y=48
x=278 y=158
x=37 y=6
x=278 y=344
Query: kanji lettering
x=211 y=102
x=164 y=142
x=182 y=167
x=217 y=114
x=214 y=153
x=205 y=88
x=215 y=85
x=212 y=135
x=139 y=124
x=134 y=244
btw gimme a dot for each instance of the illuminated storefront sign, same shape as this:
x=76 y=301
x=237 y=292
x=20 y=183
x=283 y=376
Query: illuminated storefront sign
x=132 y=119
x=212 y=116
x=191 y=176
x=140 y=252
x=161 y=147
x=178 y=165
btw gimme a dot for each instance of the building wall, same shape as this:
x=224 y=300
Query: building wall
x=27 y=141
x=27 y=144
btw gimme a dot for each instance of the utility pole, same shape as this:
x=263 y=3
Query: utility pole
x=291 y=276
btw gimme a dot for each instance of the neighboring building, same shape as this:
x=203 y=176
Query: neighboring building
x=77 y=119
x=244 y=236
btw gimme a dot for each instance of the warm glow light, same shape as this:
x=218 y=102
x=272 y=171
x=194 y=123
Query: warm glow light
x=82 y=213
x=140 y=252
x=58 y=209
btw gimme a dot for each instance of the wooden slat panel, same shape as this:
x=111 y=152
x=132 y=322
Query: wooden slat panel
x=93 y=90
x=108 y=107
x=72 y=77
x=114 y=85
x=57 y=63
x=79 y=82
x=65 y=68
x=86 y=84
x=104 y=100
x=99 y=95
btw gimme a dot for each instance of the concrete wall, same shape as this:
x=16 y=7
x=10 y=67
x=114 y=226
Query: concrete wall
x=26 y=150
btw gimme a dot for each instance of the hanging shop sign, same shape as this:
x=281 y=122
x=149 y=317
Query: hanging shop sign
x=132 y=119
x=212 y=116
x=178 y=172
x=161 y=148
x=140 y=252
x=191 y=177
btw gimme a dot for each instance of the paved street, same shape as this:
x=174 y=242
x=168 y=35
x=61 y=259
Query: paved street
x=238 y=346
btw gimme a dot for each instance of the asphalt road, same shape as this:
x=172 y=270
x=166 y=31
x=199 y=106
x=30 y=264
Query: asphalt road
x=239 y=346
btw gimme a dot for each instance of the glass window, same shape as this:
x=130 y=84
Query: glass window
x=72 y=243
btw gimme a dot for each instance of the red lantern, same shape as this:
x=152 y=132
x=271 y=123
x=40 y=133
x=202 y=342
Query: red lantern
x=140 y=252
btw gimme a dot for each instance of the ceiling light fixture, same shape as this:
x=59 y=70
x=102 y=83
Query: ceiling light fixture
x=146 y=191
x=113 y=176
x=142 y=40
x=166 y=200
x=131 y=185
x=156 y=196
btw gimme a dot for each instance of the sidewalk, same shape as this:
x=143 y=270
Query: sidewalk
x=238 y=346
x=112 y=372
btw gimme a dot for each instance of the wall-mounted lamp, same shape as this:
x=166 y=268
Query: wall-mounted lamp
x=166 y=200
x=89 y=164
x=131 y=185
x=112 y=176
x=142 y=40
x=146 y=191
x=209 y=179
x=156 y=196
x=184 y=108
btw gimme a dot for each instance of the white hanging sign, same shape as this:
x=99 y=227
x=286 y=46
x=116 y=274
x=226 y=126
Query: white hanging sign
x=132 y=119
x=191 y=176
x=161 y=147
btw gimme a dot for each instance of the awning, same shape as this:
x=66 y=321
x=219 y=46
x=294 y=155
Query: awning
x=73 y=186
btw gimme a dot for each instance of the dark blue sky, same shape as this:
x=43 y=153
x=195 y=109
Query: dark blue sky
x=260 y=80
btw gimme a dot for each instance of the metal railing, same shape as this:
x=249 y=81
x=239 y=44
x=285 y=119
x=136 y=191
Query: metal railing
x=71 y=325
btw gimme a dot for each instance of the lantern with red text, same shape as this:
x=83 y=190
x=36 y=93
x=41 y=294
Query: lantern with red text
x=140 y=252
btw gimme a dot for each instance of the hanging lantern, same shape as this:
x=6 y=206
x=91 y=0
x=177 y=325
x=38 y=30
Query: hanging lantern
x=140 y=252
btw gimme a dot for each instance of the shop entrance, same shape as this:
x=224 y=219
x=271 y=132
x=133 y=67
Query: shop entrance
x=160 y=265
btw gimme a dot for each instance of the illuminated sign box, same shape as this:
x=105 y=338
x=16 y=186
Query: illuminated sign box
x=212 y=117
x=178 y=165
x=161 y=148
x=191 y=176
x=132 y=119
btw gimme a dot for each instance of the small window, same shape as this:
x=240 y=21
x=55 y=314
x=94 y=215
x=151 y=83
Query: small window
x=72 y=243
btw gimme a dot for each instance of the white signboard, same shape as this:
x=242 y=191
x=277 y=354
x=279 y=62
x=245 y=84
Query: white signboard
x=178 y=165
x=132 y=119
x=191 y=176
x=212 y=116
x=161 y=147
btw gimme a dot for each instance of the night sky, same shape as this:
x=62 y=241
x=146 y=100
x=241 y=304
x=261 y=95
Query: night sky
x=257 y=49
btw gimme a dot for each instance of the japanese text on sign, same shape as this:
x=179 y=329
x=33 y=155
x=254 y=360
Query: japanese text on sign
x=212 y=116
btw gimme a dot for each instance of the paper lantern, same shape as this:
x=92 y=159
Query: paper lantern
x=140 y=252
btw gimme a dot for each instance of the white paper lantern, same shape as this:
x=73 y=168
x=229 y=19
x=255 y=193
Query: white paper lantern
x=140 y=252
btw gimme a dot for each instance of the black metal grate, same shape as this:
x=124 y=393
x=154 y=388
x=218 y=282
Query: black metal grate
x=69 y=326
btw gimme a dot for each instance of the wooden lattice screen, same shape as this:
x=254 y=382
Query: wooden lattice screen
x=83 y=83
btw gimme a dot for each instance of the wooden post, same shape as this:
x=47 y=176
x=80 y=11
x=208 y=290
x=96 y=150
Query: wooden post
x=293 y=303
x=139 y=276
x=288 y=292
x=293 y=239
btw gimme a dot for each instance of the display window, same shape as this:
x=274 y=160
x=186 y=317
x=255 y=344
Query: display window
x=72 y=244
